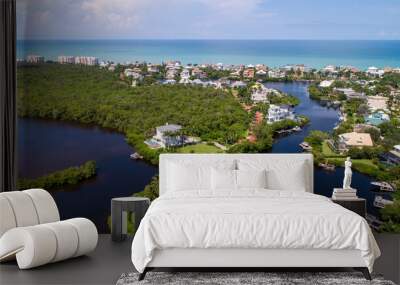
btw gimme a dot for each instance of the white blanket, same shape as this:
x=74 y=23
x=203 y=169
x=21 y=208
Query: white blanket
x=250 y=219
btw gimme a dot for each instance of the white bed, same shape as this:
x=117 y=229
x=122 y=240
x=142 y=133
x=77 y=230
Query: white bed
x=280 y=225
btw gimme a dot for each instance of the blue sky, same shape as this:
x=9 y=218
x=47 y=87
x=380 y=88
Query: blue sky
x=208 y=19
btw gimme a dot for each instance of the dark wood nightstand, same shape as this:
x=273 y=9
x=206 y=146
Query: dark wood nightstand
x=357 y=205
x=120 y=207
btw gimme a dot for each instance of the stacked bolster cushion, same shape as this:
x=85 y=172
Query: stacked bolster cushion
x=31 y=231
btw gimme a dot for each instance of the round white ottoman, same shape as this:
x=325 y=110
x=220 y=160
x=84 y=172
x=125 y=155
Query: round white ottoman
x=31 y=231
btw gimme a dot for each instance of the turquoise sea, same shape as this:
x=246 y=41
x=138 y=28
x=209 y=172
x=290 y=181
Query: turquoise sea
x=312 y=53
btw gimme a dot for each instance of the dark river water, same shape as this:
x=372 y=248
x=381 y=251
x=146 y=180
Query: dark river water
x=45 y=146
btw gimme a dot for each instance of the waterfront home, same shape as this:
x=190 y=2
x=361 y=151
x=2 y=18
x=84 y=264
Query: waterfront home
x=168 y=135
x=260 y=93
x=259 y=96
x=374 y=71
x=351 y=94
x=353 y=139
x=261 y=73
x=278 y=113
x=326 y=83
x=276 y=74
x=33 y=58
x=248 y=73
x=377 y=103
x=377 y=118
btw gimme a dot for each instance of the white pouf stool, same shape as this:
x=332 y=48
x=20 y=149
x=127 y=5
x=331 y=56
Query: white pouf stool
x=31 y=230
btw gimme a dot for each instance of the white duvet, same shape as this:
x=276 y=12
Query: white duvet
x=250 y=219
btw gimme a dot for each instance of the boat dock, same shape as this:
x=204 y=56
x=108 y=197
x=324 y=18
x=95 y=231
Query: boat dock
x=380 y=202
x=306 y=146
x=326 y=166
x=384 y=186
x=136 y=155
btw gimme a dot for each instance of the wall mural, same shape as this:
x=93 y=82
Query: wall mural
x=95 y=114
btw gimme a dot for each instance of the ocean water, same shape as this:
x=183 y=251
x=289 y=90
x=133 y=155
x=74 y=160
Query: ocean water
x=274 y=53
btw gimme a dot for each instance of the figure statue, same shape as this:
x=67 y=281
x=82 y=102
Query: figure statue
x=347 y=174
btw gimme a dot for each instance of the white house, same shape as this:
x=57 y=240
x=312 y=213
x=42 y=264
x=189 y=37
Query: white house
x=185 y=74
x=326 y=83
x=165 y=135
x=278 y=113
x=374 y=71
x=135 y=75
x=259 y=96
x=276 y=74
x=261 y=72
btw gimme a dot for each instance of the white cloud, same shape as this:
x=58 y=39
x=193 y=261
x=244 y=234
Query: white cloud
x=201 y=19
x=135 y=18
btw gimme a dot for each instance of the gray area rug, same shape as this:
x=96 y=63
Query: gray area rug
x=243 y=278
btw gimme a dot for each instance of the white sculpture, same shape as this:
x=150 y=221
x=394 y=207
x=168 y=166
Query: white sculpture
x=347 y=174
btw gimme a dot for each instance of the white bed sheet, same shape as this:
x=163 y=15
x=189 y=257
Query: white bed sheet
x=253 y=218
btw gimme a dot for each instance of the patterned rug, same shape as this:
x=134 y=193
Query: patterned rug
x=244 y=278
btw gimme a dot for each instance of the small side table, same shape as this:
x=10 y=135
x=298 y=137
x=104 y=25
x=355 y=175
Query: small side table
x=357 y=205
x=119 y=210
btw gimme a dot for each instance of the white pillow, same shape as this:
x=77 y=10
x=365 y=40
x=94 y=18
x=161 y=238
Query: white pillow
x=282 y=174
x=223 y=179
x=251 y=178
x=293 y=180
x=183 y=177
